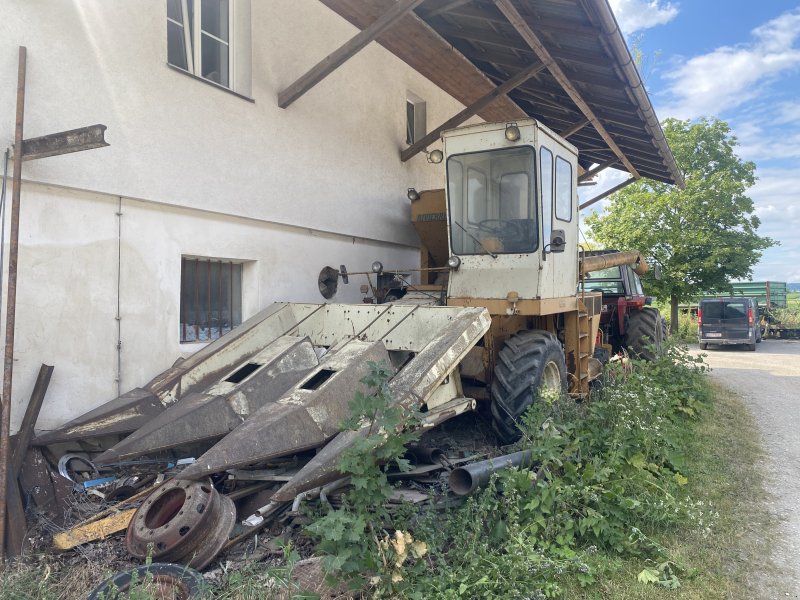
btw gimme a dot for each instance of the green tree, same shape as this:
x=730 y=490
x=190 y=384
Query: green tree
x=702 y=236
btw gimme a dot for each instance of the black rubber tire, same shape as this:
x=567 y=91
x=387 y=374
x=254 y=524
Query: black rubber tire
x=664 y=328
x=703 y=346
x=644 y=330
x=187 y=582
x=518 y=374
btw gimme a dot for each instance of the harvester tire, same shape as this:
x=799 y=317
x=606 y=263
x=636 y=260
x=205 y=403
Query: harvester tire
x=645 y=336
x=529 y=361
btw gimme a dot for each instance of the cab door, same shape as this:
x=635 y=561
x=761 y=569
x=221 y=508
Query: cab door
x=557 y=166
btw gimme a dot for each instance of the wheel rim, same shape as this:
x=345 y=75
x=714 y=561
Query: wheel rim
x=551 y=376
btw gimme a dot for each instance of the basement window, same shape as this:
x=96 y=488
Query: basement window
x=210 y=39
x=211 y=298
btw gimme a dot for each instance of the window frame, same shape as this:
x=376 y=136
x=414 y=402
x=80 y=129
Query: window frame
x=533 y=190
x=239 y=46
x=416 y=118
x=558 y=180
x=235 y=302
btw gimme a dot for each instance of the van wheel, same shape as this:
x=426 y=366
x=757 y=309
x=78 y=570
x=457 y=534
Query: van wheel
x=529 y=362
x=704 y=346
x=644 y=337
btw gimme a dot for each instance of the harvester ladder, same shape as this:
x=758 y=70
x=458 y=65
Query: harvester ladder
x=578 y=349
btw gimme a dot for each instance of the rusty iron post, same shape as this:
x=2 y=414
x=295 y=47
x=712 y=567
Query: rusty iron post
x=11 y=302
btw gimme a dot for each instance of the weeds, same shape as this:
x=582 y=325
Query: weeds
x=609 y=478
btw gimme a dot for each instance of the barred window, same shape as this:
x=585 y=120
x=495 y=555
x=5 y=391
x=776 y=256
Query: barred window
x=211 y=298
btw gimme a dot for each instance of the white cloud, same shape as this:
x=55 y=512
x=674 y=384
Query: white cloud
x=776 y=195
x=729 y=76
x=635 y=15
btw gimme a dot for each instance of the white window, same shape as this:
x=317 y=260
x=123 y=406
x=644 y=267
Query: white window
x=416 y=118
x=211 y=39
x=563 y=190
x=211 y=298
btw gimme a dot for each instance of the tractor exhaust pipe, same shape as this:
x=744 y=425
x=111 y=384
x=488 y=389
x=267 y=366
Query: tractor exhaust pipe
x=614 y=259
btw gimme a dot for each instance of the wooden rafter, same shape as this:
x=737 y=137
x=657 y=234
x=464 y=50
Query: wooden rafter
x=472 y=110
x=607 y=193
x=518 y=22
x=337 y=58
x=597 y=168
x=574 y=129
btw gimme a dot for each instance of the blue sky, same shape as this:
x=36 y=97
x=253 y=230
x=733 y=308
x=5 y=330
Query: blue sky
x=739 y=61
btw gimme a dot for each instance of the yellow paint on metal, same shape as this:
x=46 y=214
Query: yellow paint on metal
x=93 y=531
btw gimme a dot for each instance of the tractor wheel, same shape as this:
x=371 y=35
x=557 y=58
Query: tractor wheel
x=529 y=362
x=645 y=336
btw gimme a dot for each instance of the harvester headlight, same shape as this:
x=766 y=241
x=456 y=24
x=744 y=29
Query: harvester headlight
x=377 y=267
x=512 y=132
x=435 y=156
x=412 y=194
x=454 y=262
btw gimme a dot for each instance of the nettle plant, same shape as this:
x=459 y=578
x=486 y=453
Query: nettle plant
x=363 y=539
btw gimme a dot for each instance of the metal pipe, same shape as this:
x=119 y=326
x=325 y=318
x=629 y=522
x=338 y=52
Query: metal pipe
x=467 y=479
x=424 y=454
x=11 y=299
x=614 y=259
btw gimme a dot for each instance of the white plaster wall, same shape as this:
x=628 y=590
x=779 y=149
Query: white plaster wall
x=201 y=172
x=67 y=291
x=328 y=162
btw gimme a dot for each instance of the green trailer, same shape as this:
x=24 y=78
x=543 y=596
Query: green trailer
x=768 y=293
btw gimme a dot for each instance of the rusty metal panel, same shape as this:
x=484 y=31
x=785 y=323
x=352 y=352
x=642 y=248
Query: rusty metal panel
x=137 y=407
x=306 y=417
x=261 y=379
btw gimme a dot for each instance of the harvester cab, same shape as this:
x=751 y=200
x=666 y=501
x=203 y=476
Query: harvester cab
x=512 y=216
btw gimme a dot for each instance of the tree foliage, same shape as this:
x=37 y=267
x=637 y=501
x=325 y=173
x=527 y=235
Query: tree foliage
x=703 y=236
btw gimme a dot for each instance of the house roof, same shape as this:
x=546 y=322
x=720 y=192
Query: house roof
x=587 y=87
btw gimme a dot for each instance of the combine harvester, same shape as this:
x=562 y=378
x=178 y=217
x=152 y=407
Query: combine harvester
x=506 y=265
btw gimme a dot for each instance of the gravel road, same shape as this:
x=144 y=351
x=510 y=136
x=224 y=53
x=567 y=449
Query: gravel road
x=768 y=380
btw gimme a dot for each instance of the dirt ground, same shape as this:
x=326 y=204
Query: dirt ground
x=768 y=380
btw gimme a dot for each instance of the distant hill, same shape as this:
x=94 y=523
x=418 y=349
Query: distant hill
x=795 y=287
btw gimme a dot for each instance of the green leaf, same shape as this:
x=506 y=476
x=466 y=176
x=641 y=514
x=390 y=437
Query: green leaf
x=680 y=479
x=648 y=576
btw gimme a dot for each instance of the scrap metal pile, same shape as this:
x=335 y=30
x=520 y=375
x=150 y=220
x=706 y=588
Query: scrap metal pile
x=261 y=409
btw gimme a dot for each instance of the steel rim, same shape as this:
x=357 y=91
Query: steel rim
x=551 y=376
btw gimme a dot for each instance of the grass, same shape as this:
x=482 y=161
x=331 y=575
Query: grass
x=732 y=562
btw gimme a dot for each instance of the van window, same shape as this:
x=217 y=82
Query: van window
x=714 y=310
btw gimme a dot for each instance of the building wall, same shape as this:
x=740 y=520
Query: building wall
x=198 y=171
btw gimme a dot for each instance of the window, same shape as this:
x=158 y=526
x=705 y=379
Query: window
x=416 y=118
x=211 y=298
x=200 y=40
x=492 y=202
x=563 y=190
x=546 y=158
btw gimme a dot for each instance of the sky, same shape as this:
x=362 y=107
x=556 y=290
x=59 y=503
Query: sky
x=739 y=61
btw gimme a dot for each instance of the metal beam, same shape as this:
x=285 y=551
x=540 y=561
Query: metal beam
x=595 y=170
x=337 y=58
x=574 y=129
x=471 y=110
x=518 y=22
x=64 y=142
x=608 y=192
x=11 y=302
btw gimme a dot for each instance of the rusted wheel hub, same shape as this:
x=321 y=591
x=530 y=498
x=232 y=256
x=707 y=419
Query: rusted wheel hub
x=182 y=521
